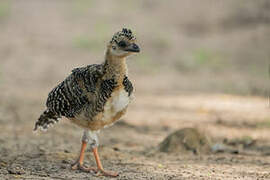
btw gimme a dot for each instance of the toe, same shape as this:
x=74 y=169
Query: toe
x=107 y=173
x=88 y=169
x=75 y=166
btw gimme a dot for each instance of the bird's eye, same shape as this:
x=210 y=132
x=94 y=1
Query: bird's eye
x=122 y=44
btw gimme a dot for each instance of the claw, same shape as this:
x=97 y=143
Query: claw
x=78 y=166
x=75 y=165
x=101 y=172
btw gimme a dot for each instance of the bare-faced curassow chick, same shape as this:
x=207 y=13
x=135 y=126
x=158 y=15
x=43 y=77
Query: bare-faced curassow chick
x=94 y=96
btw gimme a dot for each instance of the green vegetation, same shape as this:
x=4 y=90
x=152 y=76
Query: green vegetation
x=144 y=60
x=102 y=30
x=202 y=56
x=201 y=59
x=264 y=124
x=83 y=42
x=146 y=64
x=96 y=41
x=87 y=43
x=82 y=6
x=205 y=57
x=4 y=8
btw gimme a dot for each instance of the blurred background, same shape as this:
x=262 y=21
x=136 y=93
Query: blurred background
x=220 y=47
x=202 y=64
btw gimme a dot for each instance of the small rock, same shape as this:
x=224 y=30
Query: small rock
x=185 y=140
x=116 y=149
x=65 y=161
x=3 y=171
x=244 y=141
x=219 y=147
x=16 y=169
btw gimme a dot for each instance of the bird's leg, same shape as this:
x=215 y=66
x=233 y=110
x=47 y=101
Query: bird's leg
x=79 y=163
x=99 y=165
x=94 y=144
x=92 y=139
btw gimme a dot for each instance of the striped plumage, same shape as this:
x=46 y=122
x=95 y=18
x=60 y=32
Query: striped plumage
x=94 y=96
x=83 y=91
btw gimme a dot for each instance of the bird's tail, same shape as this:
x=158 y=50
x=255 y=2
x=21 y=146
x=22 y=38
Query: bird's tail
x=46 y=120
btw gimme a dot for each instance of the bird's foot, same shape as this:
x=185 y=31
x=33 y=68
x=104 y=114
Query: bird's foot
x=102 y=172
x=98 y=172
x=79 y=166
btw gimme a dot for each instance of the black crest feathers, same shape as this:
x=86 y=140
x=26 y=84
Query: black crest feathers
x=125 y=33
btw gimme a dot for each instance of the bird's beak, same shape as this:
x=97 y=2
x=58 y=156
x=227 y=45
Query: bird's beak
x=133 y=48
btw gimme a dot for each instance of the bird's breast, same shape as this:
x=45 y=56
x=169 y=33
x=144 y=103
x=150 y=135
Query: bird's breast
x=118 y=102
x=114 y=109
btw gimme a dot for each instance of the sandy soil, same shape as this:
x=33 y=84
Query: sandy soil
x=127 y=147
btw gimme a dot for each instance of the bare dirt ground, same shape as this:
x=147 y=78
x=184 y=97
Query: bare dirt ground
x=127 y=147
x=202 y=66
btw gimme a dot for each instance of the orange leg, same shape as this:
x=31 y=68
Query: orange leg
x=79 y=163
x=99 y=165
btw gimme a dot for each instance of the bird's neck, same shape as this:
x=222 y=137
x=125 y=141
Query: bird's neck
x=115 y=67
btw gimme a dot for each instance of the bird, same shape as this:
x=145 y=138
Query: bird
x=94 y=97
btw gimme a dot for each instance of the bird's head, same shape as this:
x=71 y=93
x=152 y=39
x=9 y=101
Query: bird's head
x=123 y=44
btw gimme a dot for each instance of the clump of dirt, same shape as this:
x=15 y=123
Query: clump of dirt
x=186 y=140
x=242 y=145
x=245 y=141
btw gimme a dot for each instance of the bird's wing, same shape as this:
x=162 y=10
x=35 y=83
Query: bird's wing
x=128 y=86
x=70 y=96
